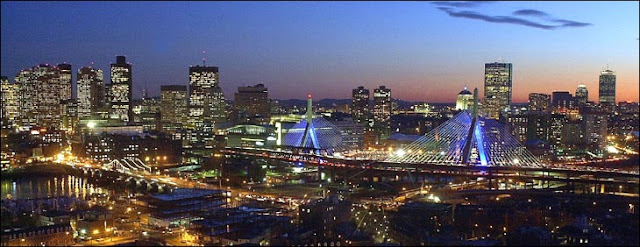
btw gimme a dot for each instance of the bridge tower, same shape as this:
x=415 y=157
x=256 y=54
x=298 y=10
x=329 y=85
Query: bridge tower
x=308 y=130
x=466 y=151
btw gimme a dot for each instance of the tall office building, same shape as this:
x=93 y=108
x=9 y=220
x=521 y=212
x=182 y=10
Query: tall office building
x=219 y=106
x=594 y=129
x=206 y=104
x=539 y=102
x=360 y=106
x=562 y=101
x=607 y=89
x=382 y=111
x=10 y=103
x=90 y=91
x=174 y=104
x=582 y=95
x=69 y=114
x=465 y=100
x=121 y=91
x=517 y=124
x=41 y=91
x=65 y=81
x=556 y=128
x=498 y=79
x=146 y=112
x=252 y=104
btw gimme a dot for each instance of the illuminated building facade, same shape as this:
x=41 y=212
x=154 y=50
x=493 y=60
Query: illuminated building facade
x=562 y=101
x=594 y=123
x=539 y=102
x=352 y=133
x=518 y=124
x=556 y=128
x=360 y=106
x=173 y=106
x=498 y=78
x=152 y=149
x=252 y=104
x=248 y=135
x=465 y=100
x=582 y=95
x=607 y=89
x=425 y=108
x=10 y=103
x=91 y=91
x=65 y=81
x=206 y=104
x=146 y=112
x=121 y=91
x=382 y=112
x=40 y=91
x=69 y=114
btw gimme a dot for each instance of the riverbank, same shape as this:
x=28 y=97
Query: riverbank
x=40 y=170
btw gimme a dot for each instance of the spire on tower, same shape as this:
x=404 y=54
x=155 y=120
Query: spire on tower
x=204 y=59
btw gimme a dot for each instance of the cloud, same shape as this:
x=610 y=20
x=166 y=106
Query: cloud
x=496 y=19
x=530 y=12
x=451 y=11
x=461 y=4
x=568 y=23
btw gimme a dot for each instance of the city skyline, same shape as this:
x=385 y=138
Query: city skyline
x=458 y=123
x=394 y=56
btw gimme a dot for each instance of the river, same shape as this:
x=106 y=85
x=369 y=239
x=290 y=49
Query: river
x=53 y=186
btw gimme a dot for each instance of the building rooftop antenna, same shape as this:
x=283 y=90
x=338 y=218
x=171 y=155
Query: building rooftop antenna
x=204 y=59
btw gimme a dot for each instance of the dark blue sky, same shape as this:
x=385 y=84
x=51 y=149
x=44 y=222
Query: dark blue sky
x=422 y=51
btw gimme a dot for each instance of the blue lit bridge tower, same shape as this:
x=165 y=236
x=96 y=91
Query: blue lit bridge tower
x=467 y=139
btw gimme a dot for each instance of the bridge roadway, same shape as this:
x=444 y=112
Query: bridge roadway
x=137 y=176
x=570 y=174
x=176 y=182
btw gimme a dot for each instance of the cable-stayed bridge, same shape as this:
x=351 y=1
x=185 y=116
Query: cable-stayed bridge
x=467 y=140
x=316 y=134
x=467 y=145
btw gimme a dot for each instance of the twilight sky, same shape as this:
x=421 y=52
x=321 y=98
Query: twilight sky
x=423 y=51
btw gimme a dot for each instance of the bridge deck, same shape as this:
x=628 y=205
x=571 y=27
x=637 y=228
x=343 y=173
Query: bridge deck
x=573 y=174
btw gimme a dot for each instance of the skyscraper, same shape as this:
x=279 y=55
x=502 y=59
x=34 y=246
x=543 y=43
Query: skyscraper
x=90 y=92
x=497 y=88
x=40 y=91
x=202 y=100
x=206 y=103
x=607 y=89
x=582 y=95
x=562 y=101
x=121 y=91
x=146 y=112
x=10 y=104
x=360 y=106
x=252 y=104
x=465 y=100
x=65 y=81
x=594 y=128
x=539 y=102
x=174 y=104
x=382 y=111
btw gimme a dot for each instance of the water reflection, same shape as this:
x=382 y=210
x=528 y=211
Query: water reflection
x=42 y=187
